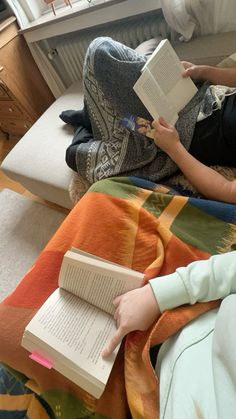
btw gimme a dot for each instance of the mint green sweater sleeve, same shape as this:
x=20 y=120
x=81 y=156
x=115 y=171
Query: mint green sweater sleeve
x=201 y=281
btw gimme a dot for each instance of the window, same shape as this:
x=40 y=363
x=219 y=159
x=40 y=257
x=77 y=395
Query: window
x=58 y=4
x=28 y=11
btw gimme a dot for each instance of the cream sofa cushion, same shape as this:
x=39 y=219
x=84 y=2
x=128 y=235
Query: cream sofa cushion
x=38 y=159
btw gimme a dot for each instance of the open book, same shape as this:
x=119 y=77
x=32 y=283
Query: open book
x=161 y=86
x=72 y=327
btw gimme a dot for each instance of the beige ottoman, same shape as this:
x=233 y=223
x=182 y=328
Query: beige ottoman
x=38 y=159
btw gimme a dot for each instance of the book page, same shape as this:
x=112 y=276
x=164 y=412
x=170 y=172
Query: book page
x=182 y=93
x=166 y=67
x=153 y=97
x=95 y=281
x=90 y=255
x=166 y=70
x=71 y=329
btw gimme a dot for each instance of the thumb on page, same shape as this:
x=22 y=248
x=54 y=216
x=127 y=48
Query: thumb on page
x=117 y=338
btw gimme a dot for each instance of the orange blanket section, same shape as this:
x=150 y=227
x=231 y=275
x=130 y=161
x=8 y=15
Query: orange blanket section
x=135 y=227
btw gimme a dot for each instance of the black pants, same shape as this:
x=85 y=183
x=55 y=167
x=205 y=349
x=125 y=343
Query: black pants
x=214 y=139
x=82 y=135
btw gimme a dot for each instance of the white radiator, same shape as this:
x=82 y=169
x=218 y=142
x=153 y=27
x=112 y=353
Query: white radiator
x=67 y=51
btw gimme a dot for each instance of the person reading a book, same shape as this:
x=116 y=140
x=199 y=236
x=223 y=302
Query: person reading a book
x=196 y=366
x=205 y=126
x=213 y=139
x=205 y=179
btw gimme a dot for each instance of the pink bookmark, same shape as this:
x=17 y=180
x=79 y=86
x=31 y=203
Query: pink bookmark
x=41 y=360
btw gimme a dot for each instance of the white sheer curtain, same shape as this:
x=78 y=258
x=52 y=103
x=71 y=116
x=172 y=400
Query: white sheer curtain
x=26 y=11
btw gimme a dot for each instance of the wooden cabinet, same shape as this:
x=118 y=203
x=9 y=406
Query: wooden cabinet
x=24 y=94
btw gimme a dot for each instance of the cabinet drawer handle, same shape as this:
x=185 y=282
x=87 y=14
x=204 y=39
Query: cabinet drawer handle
x=10 y=109
x=1 y=67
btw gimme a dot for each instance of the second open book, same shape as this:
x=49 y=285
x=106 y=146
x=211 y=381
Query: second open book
x=76 y=322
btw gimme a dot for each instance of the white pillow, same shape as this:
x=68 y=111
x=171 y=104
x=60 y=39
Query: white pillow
x=177 y=18
x=200 y=17
x=147 y=47
x=212 y=16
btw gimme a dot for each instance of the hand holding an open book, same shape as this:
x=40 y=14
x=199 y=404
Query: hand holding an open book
x=163 y=87
x=166 y=136
x=196 y=72
x=135 y=310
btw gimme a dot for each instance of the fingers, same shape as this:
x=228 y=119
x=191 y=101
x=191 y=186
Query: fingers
x=188 y=69
x=164 y=123
x=188 y=72
x=185 y=73
x=116 y=318
x=187 y=64
x=155 y=124
x=160 y=123
x=114 y=342
x=116 y=301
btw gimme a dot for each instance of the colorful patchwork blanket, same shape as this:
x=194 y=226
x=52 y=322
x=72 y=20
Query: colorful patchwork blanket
x=135 y=223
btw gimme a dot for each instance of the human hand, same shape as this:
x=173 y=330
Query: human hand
x=135 y=310
x=166 y=136
x=196 y=72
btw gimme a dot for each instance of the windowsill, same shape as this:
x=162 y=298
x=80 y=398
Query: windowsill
x=67 y=12
x=81 y=15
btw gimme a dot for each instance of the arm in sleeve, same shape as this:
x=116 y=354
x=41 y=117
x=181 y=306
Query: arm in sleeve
x=200 y=281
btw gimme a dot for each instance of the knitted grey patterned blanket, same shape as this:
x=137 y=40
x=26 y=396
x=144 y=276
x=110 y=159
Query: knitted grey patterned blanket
x=110 y=71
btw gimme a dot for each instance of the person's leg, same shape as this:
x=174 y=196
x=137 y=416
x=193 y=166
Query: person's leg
x=229 y=129
x=207 y=140
x=110 y=71
x=76 y=118
x=184 y=368
x=213 y=142
x=82 y=135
